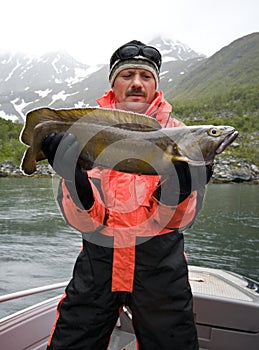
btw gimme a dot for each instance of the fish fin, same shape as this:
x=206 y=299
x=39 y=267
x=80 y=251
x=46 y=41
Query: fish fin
x=109 y=117
x=180 y=159
x=100 y=116
x=28 y=163
x=34 y=118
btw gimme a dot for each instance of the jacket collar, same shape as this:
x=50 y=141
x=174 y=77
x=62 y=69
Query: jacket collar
x=159 y=108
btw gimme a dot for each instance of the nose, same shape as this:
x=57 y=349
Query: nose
x=136 y=81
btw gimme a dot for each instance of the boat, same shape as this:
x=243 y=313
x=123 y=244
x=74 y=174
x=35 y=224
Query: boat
x=226 y=308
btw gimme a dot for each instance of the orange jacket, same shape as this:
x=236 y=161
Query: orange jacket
x=125 y=208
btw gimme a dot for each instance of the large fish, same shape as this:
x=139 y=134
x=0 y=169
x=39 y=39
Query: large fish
x=124 y=141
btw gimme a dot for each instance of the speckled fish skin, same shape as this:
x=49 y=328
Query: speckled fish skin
x=124 y=141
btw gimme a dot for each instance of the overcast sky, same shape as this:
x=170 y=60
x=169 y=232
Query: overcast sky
x=91 y=30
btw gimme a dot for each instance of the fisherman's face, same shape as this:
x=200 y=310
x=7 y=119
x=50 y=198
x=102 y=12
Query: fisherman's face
x=134 y=90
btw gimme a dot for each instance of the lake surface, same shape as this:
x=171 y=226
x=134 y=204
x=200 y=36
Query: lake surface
x=38 y=247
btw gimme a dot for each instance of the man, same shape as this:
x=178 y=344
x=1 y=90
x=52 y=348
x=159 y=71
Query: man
x=133 y=250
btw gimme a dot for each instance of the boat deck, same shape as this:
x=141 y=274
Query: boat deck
x=226 y=308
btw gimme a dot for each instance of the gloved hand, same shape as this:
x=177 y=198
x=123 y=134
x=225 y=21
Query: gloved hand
x=65 y=160
x=185 y=179
x=62 y=152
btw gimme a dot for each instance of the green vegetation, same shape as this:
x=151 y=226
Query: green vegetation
x=10 y=147
x=238 y=101
x=238 y=108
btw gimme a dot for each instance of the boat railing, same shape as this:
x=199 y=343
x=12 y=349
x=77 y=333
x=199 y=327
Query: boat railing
x=32 y=291
x=251 y=284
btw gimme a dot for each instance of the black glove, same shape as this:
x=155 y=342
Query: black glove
x=175 y=188
x=62 y=152
x=65 y=160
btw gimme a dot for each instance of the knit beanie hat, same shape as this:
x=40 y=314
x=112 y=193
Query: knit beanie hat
x=135 y=54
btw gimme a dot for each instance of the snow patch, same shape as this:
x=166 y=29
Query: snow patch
x=19 y=105
x=11 y=117
x=43 y=93
x=81 y=104
x=164 y=73
x=13 y=70
x=61 y=96
x=169 y=59
x=56 y=59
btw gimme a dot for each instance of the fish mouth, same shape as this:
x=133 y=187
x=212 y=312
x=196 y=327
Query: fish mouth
x=227 y=141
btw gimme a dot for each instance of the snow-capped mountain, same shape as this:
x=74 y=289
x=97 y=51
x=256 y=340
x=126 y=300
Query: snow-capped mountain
x=178 y=60
x=57 y=80
x=28 y=82
x=174 y=50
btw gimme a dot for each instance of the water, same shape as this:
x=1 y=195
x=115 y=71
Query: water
x=226 y=232
x=38 y=248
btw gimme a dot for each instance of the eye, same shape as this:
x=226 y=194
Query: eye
x=214 y=132
x=126 y=76
x=146 y=76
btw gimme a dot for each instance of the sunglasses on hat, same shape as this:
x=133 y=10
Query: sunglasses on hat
x=131 y=50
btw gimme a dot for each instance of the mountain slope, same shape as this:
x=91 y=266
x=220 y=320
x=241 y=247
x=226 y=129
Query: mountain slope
x=28 y=82
x=235 y=65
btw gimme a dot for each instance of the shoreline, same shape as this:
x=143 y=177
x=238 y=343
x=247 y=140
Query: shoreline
x=226 y=170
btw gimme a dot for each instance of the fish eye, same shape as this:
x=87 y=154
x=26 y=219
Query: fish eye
x=214 y=132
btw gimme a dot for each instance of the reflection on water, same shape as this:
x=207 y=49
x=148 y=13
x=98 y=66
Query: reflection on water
x=38 y=248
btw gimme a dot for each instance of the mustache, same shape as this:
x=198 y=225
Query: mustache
x=138 y=91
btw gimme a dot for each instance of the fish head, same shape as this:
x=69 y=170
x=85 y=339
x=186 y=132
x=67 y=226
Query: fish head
x=211 y=140
x=198 y=145
x=214 y=140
